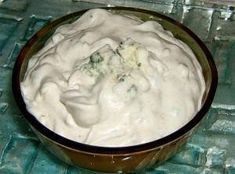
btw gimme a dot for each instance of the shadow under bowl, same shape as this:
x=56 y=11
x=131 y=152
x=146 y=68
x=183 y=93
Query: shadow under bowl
x=114 y=159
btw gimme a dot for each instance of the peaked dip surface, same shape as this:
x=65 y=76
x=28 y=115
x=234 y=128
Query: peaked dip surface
x=112 y=80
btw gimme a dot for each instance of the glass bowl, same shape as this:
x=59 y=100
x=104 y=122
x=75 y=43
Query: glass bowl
x=114 y=159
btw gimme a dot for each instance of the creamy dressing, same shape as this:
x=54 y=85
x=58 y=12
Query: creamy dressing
x=112 y=80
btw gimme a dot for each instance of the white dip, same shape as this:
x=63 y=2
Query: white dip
x=112 y=80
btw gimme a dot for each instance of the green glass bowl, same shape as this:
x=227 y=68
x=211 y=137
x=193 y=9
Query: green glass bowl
x=113 y=159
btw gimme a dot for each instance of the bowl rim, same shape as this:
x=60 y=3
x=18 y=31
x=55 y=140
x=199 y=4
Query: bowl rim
x=70 y=144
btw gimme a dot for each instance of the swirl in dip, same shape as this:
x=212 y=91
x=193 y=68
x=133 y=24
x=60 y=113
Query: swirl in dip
x=112 y=80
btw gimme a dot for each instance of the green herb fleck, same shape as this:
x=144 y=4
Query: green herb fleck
x=121 y=77
x=96 y=58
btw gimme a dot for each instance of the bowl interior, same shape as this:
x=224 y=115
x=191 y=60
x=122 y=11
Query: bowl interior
x=38 y=41
x=178 y=30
